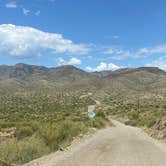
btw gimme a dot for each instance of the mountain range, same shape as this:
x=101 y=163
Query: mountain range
x=126 y=81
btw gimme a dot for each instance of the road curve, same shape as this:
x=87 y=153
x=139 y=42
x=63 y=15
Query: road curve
x=115 y=146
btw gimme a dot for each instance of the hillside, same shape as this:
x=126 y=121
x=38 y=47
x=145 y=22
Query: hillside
x=142 y=80
x=23 y=76
x=127 y=80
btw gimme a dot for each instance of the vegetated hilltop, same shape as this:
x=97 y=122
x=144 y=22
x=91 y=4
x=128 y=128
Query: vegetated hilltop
x=139 y=81
x=143 y=78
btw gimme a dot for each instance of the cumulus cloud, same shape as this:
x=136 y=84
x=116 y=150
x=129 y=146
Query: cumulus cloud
x=113 y=67
x=72 y=61
x=103 y=66
x=160 y=63
x=23 y=41
x=11 y=4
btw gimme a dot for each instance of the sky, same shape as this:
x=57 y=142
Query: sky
x=94 y=35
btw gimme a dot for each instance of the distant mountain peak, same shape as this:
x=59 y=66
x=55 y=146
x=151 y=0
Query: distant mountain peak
x=124 y=71
x=67 y=67
x=22 y=64
x=152 y=69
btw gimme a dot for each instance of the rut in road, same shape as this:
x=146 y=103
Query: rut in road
x=115 y=146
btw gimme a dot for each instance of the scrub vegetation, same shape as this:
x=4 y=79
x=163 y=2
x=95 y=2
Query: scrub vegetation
x=150 y=114
x=43 y=123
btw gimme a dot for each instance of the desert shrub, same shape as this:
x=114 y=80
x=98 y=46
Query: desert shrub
x=22 y=151
x=60 y=134
x=49 y=135
x=101 y=114
x=134 y=115
x=24 y=131
x=32 y=148
x=143 y=121
x=7 y=124
x=164 y=133
x=151 y=122
x=133 y=122
x=97 y=122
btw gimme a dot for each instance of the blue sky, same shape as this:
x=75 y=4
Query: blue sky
x=90 y=34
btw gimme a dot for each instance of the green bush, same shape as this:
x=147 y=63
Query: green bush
x=97 y=122
x=132 y=122
x=151 y=122
x=60 y=134
x=24 y=131
x=22 y=151
x=32 y=148
x=134 y=115
x=101 y=114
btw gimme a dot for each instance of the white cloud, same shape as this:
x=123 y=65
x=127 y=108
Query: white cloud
x=37 y=13
x=120 y=53
x=103 y=66
x=72 y=61
x=160 y=63
x=23 y=41
x=113 y=67
x=25 y=11
x=116 y=37
x=11 y=4
x=158 y=49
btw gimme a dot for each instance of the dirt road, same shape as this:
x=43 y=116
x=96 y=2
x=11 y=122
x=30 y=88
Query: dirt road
x=116 y=146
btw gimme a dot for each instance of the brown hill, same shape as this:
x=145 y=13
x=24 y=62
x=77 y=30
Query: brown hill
x=122 y=82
